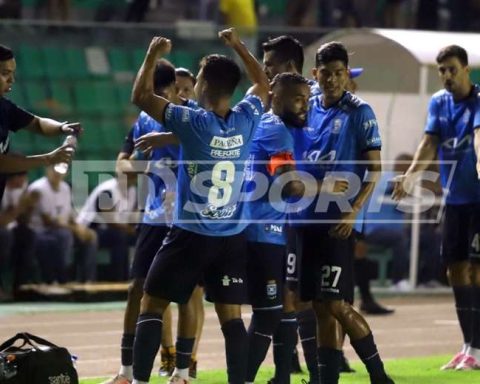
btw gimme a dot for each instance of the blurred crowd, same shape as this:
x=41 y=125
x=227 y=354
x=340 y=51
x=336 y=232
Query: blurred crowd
x=411 y=14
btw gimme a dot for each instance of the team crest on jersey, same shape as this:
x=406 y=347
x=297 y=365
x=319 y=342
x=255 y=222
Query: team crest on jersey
x=337 y=125
x=271 y=289
x=466 y=116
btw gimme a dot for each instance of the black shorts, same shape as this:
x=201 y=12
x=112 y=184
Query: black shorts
x=265 y=274
x=292 y=261
x=149 y=241
x=461 y=233
x=326 y=265
x=186 y=257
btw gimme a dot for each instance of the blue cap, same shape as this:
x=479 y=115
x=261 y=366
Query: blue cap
x=355 y=72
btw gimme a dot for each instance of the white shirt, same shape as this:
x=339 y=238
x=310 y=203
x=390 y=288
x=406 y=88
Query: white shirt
x=56 y=204
x=109 y=196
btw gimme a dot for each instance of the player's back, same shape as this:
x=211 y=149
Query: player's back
x=212 y=164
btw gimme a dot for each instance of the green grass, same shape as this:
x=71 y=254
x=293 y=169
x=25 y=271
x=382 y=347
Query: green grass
x=403 y=371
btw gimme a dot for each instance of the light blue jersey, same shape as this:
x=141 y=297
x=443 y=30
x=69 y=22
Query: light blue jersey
x=162 y=169
x=454 y=123
x=213 y=155
x=272 y=138
x=334 y=140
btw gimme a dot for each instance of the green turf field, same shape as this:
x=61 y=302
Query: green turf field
x=403 y=371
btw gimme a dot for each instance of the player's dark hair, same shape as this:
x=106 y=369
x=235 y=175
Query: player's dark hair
x=453 y=51
x=288 y=79
x=221 y=74
x=164 y=74
x=286 y=48
x=329 y=52
x=5 y=53
x=184 y=72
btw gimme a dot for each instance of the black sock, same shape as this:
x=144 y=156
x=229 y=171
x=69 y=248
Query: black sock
x=329 y=360
x=147 y=342
x=463 y=305
x=284 y=341
x=307 y=329
x=368 y=353
x=236 y=349
x=127 y=349
x=184 y=349
x=260 y=332
x=362 y=279
x=475 y=343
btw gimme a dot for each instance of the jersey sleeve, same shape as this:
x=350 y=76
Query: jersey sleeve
x=17 y=117
x=367 y=129
x=249 y=112
x=432 y=125
x=476 y=118
x=182 y=121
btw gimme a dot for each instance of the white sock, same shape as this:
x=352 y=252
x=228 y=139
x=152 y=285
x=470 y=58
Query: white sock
x=183 y=373
x=126 y=371
x=139 y=382
x=474 y=352
x=249 y=382
x=465 y=348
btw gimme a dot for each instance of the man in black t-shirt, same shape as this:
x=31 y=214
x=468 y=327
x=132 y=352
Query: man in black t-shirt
x=13 y=118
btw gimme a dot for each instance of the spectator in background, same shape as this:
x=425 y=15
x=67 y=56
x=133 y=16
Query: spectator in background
x=301 y=13
x=108 y=211
x=57 y=232
x=241 y=14
x=136 y=11
x=10 y=9
x=17 y=239
x=390 y=231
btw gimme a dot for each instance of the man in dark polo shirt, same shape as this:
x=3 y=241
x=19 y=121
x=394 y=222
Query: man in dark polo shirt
x=12 y=118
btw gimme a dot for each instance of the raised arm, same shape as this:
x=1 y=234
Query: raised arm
x=49 y=127
x=253 y=68
x=143 y=95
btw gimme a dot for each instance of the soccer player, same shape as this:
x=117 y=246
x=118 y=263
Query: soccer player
x=207 y=235
x=185 y=82
x=156 y=220
x=13 y=118
x=452 y=132
x=285 y=54
x=272 y=149
x=342 y=131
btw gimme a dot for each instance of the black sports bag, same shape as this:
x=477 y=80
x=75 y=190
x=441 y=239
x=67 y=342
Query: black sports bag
x=35 y=361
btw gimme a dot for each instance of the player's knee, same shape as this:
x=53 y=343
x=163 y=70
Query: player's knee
x=266 y=322
x=135 y=289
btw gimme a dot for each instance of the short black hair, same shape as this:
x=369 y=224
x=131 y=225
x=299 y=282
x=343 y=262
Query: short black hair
x=5 y=53
x=329 y=52
x=184 y=72
x=453 y=51
x=221 y=73
x=288 y=78
x=286 y=48
x=164 y=74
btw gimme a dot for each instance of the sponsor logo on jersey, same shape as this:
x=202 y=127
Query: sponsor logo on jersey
x=212 y=212
x=274 y=228
x=456 y=144
x=316 y=155
x=219 y=154
x=227 y=280
x=466 y=116
x=185 y=115
x=60 y=379
x=369 y=124
x=227 y=142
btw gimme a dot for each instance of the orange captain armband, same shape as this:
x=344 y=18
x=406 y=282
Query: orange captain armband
x=279 y=160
